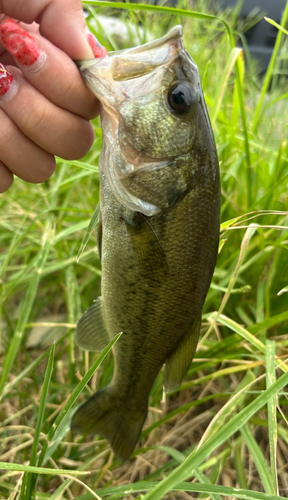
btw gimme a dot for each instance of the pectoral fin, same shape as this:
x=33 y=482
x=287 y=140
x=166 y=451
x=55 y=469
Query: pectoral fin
x=91 y=333
x=179 y=362
x=148 y=250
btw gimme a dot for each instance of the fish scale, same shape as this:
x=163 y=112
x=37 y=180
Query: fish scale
x=160 y=210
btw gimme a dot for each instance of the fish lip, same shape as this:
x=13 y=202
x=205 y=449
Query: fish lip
x=175 y=32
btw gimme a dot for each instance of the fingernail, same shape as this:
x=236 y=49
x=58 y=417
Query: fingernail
x=8 y=85
x=21 y=45
x=98 y=49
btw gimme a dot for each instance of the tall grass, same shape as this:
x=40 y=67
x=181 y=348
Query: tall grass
x=223 y=433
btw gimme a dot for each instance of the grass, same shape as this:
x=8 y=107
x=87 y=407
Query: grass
x=223 y=433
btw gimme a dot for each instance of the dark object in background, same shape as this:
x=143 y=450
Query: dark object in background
x=261 y=37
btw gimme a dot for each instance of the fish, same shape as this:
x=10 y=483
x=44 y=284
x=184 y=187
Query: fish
x=158 y=233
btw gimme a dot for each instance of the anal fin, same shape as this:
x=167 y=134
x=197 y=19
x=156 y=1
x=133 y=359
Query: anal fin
x=91 y=333
x=179 y=362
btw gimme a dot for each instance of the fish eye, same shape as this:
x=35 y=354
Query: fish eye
x=181 y=98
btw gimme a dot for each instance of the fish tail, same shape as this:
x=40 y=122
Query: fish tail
x=107 y=415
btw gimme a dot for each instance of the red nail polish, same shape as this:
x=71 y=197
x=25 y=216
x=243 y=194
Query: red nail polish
x=98 y=49
x=6 y=79
x=18 y=42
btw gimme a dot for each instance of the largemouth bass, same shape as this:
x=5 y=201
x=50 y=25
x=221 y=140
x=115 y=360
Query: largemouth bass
x=159 y=231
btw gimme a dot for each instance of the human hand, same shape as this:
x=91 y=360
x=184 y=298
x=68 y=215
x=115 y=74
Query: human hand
x=45 y=107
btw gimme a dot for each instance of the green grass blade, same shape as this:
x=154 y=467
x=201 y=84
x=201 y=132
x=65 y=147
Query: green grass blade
x=173 y=413
x=230 y=65
x=81 y=164
x=142 y=486
x=258 y=458
x=272 y=412
x=32 y=478
x=174 y=453
x=27 y=305
x=92 y=224
x=41 y=470
x=240 y=94
x=205 y=480
x=12 y=248
x=244 y=246
x=230 y=407
x=246 y=334
x=236 y=103
x=276 y=25
x=268 y=323
x=195 y=459
x=9 y=386
x=68 y=406
x=238 y=460
x=218 y=374
x=71 y=230
x=47 y=241
x=156 y=8
x=110 y=39
x=269 y=71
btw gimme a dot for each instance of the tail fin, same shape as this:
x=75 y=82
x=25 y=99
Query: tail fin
x=106 y=415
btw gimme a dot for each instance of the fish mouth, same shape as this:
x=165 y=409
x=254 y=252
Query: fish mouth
x=114 y=78
x=174 y=34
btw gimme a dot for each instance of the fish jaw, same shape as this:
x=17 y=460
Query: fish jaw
x=128 y=73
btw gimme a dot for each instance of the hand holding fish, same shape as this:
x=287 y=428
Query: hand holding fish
x=45 y=107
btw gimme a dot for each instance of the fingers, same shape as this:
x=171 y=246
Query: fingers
x=61 y=21
x=44 y=105
x=53 y=129
x=21 y=156
x=48 y=69
x=6 y=178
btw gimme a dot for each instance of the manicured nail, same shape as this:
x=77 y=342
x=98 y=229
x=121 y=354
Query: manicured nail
x=21 y=45
x=8 y=86
x=98 y=49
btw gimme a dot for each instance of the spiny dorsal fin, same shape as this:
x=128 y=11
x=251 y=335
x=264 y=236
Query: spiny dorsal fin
x=91 y=333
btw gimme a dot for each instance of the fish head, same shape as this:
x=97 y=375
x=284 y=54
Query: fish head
x=154 y=119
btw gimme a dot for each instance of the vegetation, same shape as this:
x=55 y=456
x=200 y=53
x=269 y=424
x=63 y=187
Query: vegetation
x=224 y=433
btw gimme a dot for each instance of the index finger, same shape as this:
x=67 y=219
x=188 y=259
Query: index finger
x=61 y=21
